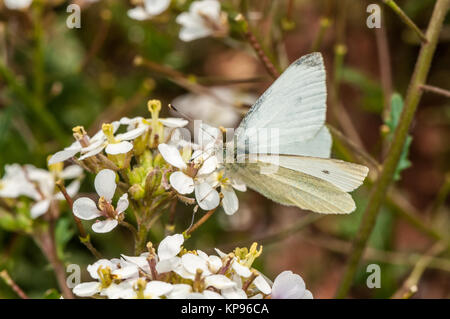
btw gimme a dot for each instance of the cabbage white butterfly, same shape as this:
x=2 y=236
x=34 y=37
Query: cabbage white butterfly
x=299 y=172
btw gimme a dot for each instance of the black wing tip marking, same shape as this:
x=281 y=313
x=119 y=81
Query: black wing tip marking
x=312 y=59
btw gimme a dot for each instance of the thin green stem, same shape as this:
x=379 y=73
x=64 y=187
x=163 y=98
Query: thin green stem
x=406 y=20
x=390 y=165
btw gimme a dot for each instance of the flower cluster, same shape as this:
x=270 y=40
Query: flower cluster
x=173 y=272
x=204 y=18
x=151 y=162
x=39 y=184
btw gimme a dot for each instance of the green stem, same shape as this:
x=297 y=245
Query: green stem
x=402 y=15
x=389 y=167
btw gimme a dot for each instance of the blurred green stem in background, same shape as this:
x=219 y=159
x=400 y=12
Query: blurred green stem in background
x=402 y=15
x=390 y=164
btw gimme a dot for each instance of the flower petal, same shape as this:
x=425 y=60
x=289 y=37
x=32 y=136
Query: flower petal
x=207 y=197
x=173 y=122
x=288 y=285
x=131 y=135
x=72 y=171
x=211 y=295
x=170 y=246
x=168 y=265
x=214 y=263
x=182 y=183
x=230 y=201
x=40 y=208
x=155 y=7
x=234 y=293
x=208 y=166
x=87 y=289
x=104 y=226
x=193 y=262
x=262 y=285
x=105 y=184
x=119 y=148
x=180 y=291
x=172 y=156
x=63 y=155
x=219 y=281
x=138 y=13
x=94 y=152
x=85 y=208
x=157 y=288
x=240 y=269
x=122 y=203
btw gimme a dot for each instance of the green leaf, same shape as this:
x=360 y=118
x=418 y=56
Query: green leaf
x=392 y=123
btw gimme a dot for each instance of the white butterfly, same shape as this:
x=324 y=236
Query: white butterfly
x=304 y=175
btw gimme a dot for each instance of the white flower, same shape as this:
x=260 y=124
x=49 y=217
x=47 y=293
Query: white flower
x=219 y=108
x=149 y=9
x=288 y=285
x=203 y=19
x=85 y=208
x=17 y=4
x=15 y=183
x=38 y=184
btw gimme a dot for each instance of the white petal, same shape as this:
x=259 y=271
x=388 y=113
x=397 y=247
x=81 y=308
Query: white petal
x=127 y=272
x=119 y=148
x=220 y=253
x=173 y=122
x=257 y=296
x=241 y=270
x=104 y=226
x=131 y=135
x=157 y=288
x=180 y=291
x=262 y=285
x=206 y=196
x=140 y=261
x=40 y=208
x=211 y=295
x=85 y=208
x=172 y=156
x=63 y=155
x=193 y=262
x=182 y=183
x=170 y=246
x=190 y=34
x=73 y=188
x=219 y=281
x=72 y=171
x=105 y=184
x=87 y=289
x=195 y=295
x=122 y=203
x=155 y=7
x=208 y=166
x=238 y=185
x=168 y=265
x=214 y=263
x=234 y=293
x=230 y=201
x=288 y=285
x=103 y=263
x=94 y=152
x=138 y=13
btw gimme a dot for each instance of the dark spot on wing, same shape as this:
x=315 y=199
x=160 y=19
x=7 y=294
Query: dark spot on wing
x=312 y=59
x=326 y=172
